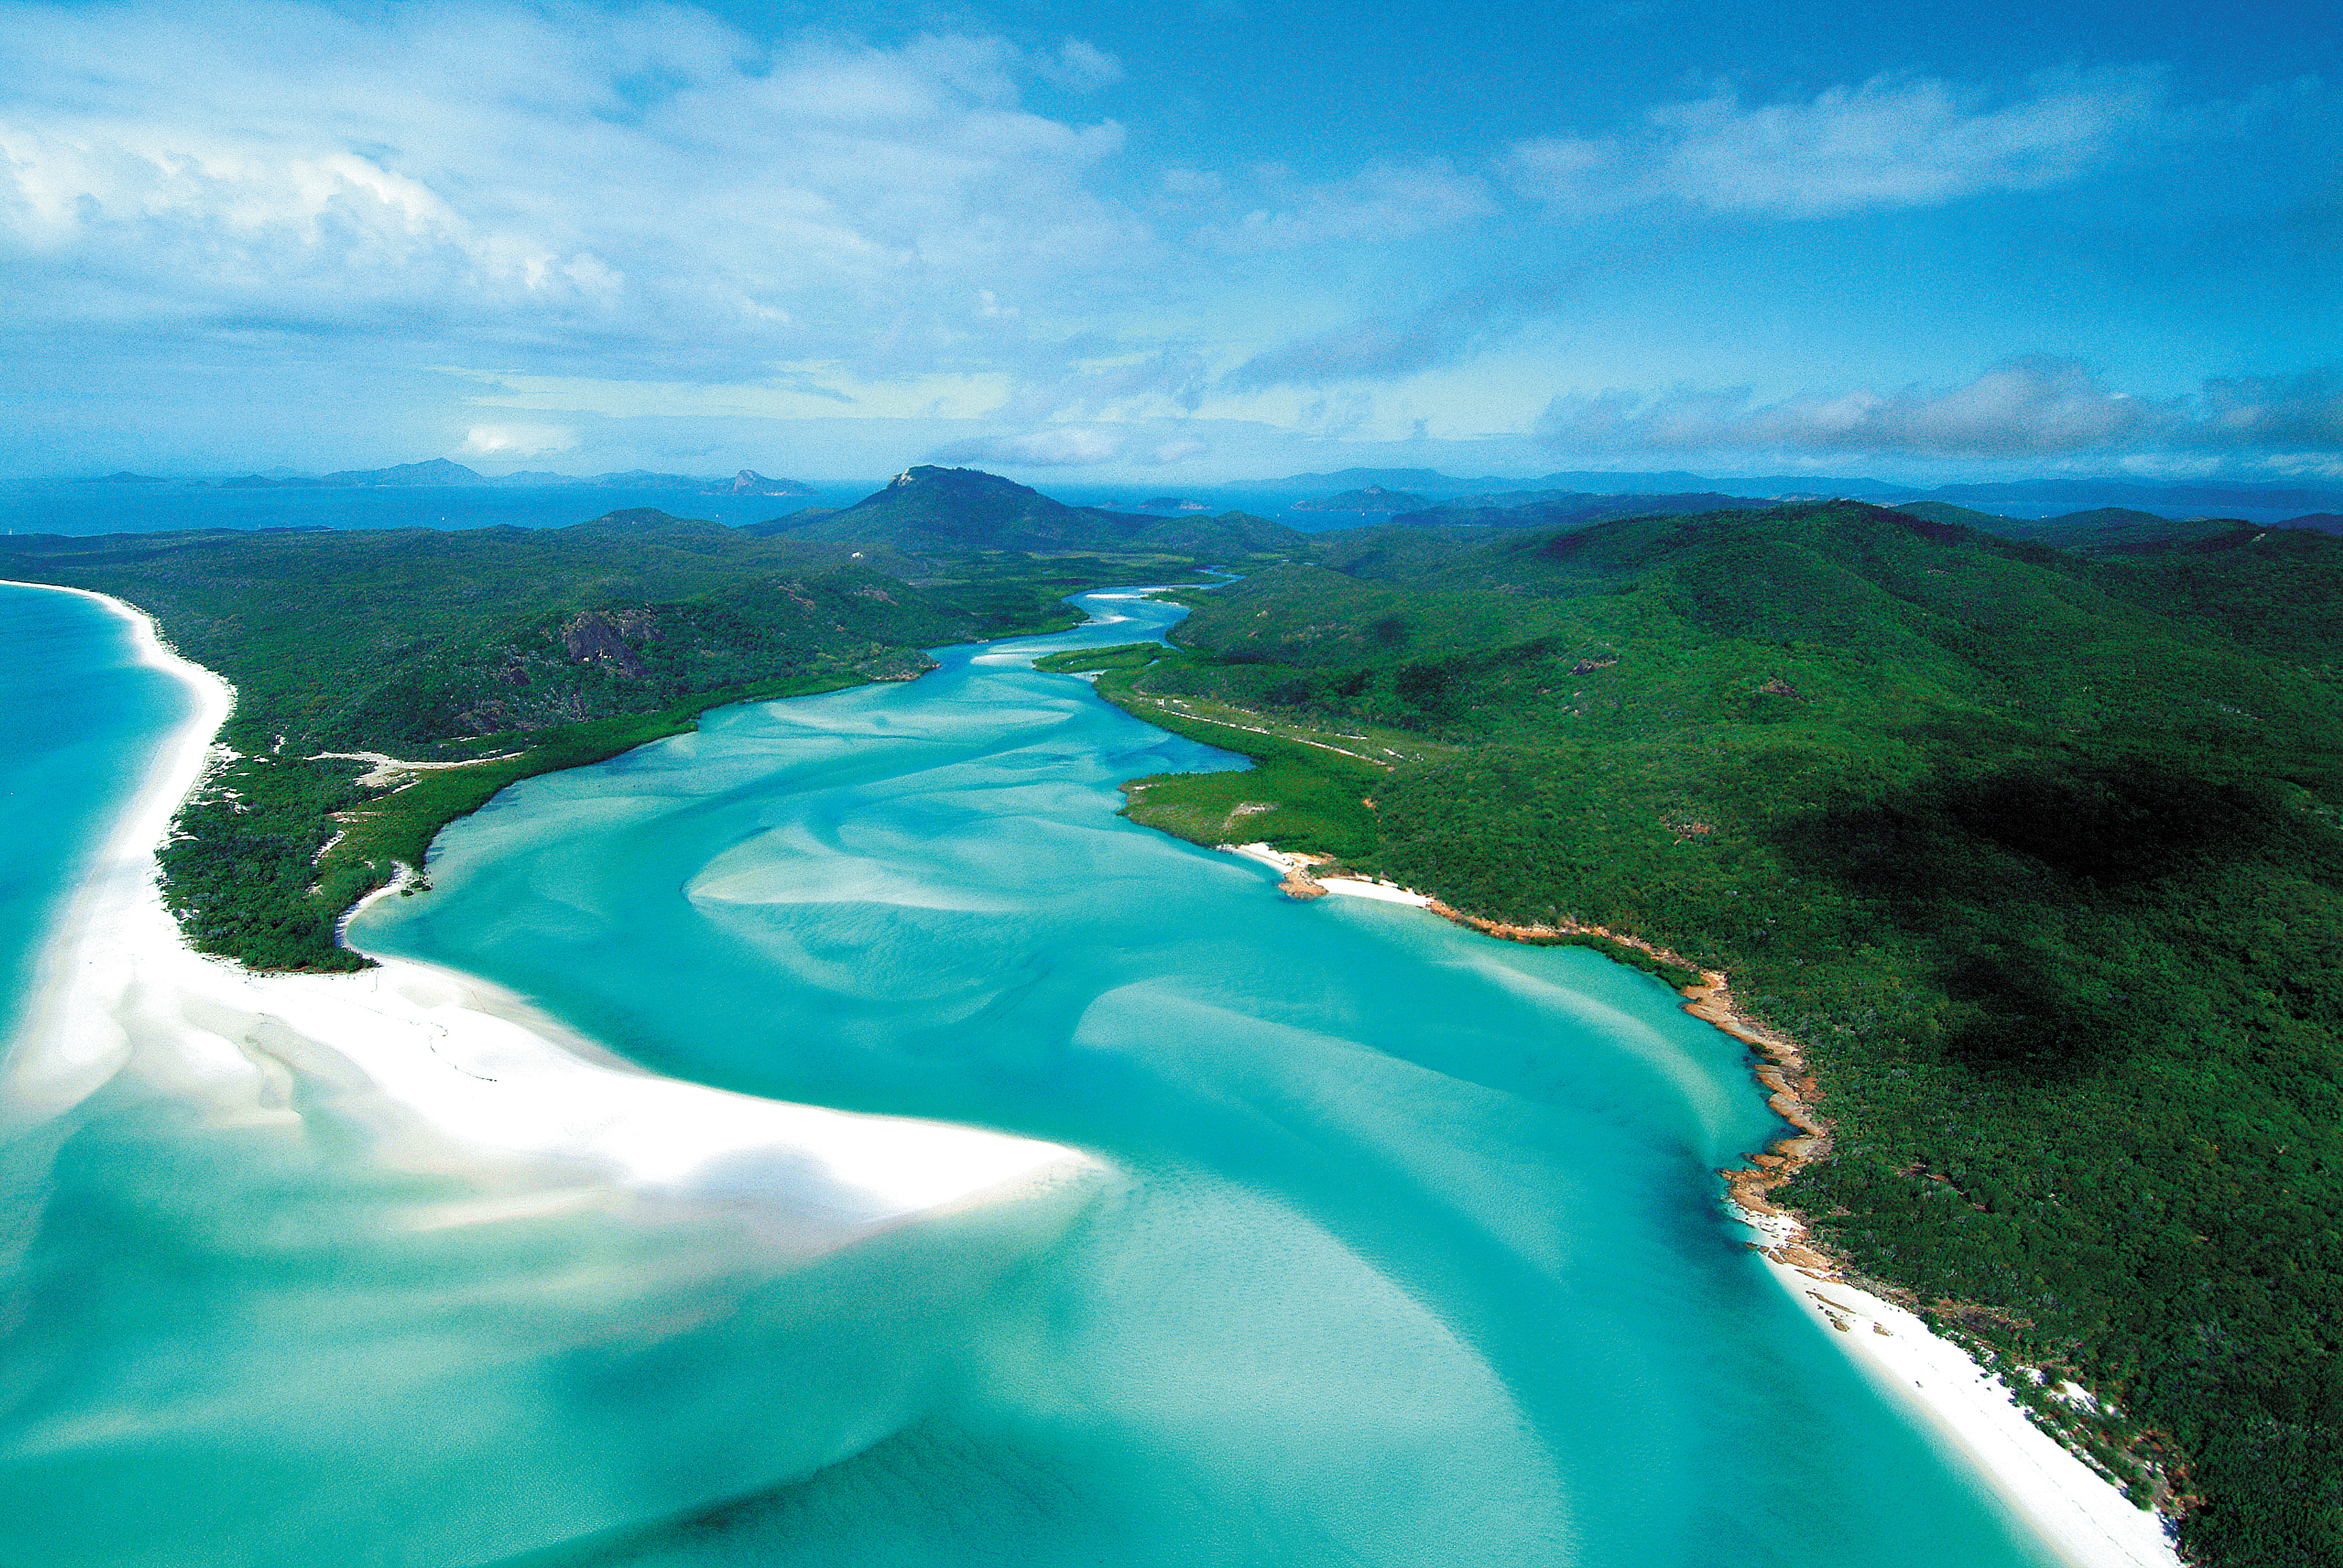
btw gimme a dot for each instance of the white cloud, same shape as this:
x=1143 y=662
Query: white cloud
x=2031 y=407
x=1581 y=171
x=518 y=440
x=1051 y=447
x=642 y=188
x=1383 y=201
x=1144 y=445
x=1892 y=142
x=1081 y=66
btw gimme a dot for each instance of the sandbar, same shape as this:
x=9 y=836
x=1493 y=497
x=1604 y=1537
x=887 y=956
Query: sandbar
x=459 y=1072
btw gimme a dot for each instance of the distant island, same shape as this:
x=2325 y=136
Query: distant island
x=1373 y=499
x=439 y=472
x=2195 y=495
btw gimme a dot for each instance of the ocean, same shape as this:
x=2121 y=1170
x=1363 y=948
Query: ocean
x=1404 y=1246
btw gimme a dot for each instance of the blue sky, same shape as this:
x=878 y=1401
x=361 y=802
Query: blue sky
x=1221 y=240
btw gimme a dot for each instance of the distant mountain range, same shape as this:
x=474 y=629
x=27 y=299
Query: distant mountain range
x=439 y=472
x=2102 y=530
x=2117 y=530
x=1442 y=489
x=1432 y=481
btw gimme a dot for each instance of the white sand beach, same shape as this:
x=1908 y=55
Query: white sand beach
x=2080 y=1513
x=1305 y=866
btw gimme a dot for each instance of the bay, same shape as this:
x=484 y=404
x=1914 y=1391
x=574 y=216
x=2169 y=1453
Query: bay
x=1413 y=1254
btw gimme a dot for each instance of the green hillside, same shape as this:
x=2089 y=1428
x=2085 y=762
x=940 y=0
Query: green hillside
x=2101 y=531
x=2037 y=855
x=511 y=651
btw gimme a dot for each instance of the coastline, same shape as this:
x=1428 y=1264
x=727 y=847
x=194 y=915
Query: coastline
x=447 y=1072
x=123 y=866
x=2075 y=1510
x=452 y=1073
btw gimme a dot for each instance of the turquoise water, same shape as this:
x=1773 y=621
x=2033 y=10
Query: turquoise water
x=78 y=717
x=1410 y=1253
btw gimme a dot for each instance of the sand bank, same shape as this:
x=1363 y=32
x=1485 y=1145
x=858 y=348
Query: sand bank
x=2079 y=1512
x=457 y=1074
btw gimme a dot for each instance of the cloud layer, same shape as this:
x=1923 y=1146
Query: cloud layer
x=1442 y=333
x=1893 y=142
x=525 y=222
x=2029 y=408
x=644 y=183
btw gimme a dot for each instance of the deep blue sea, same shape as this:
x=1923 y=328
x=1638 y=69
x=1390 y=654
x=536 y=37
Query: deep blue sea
x=1411 y=1254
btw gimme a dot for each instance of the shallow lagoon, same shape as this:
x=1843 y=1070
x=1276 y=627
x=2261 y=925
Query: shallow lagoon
x=1406 y=1250
x=1410 y=1252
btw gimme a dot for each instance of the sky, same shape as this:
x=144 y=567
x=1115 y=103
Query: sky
x=1190 y=240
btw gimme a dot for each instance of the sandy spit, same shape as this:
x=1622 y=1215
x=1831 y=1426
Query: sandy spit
x=463 y=1075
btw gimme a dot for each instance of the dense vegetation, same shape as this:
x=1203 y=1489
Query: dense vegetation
x=2037 y=853
x=509 y=651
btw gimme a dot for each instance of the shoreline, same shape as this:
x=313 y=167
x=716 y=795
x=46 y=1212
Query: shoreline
x=453 y=1074
x=450 y=1073
x=125 y=860
x=2080 y=1514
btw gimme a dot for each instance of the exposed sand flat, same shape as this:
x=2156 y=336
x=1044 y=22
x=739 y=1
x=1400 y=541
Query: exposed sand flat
x=457 y=1071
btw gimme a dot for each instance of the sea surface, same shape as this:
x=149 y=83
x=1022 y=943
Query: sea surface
x=1407 y=1247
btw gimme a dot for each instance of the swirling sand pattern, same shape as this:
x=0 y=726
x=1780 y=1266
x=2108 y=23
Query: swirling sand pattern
x=1394 y=1246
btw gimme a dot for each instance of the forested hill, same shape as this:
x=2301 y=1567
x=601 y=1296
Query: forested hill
x=511 y=651
x=2037 y=855
x=929 y=511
